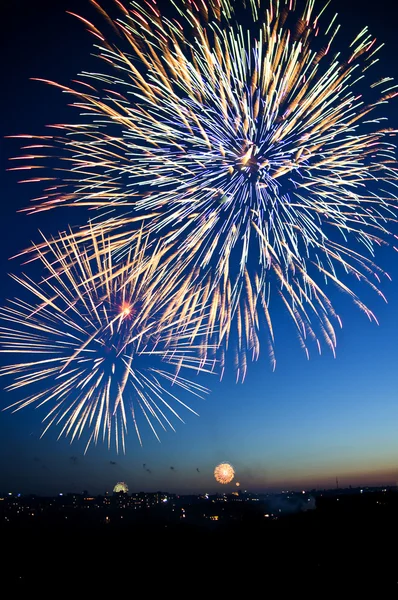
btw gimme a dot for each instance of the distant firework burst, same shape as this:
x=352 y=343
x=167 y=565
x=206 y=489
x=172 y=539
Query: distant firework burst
x=224 y=473
x=121 y=488
x=102 y=344
x=256 y=150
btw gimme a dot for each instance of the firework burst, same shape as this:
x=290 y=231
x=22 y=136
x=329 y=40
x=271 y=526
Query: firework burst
x=224 y=473
x=250 y=150
x=103 y=343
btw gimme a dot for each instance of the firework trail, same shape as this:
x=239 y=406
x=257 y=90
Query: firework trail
x=249 y=149
x=102 y=343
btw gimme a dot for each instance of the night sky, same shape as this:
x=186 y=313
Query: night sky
x=301 y=426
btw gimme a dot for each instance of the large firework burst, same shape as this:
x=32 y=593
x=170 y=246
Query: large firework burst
x=249 y=148
x=100 y=340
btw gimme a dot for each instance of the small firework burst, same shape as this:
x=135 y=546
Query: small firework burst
x=224 y=473
x=101 y=340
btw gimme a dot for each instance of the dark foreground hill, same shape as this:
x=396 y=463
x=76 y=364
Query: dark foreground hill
x=346 y=546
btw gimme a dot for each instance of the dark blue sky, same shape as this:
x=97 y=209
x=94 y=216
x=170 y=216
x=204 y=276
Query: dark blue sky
x=302 y=425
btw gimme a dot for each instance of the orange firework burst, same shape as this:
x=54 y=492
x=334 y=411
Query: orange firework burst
x=224 y=473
